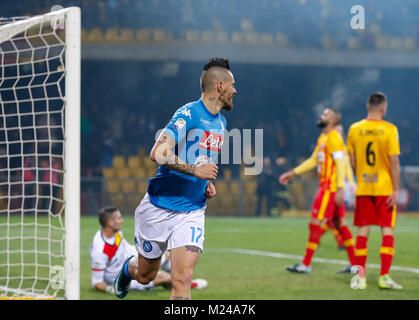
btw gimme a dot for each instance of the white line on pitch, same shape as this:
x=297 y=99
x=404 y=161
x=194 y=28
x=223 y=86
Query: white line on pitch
x=320 y=260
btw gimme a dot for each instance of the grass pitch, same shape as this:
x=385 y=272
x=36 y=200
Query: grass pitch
x=234 y=275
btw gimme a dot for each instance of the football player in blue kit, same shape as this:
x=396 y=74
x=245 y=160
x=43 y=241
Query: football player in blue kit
x=171 y=216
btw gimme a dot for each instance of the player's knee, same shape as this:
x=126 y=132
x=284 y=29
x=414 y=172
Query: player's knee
x=388 y=231
x=146 y=278
x=183 y=278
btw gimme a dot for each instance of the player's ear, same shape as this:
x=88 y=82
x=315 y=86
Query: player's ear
x=219 y=86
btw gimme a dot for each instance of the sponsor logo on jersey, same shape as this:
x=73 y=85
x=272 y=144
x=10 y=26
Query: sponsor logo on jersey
x=211 y=141
x=179 y=124
x=368 y=178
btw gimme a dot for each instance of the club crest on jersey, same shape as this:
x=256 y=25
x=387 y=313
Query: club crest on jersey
x=211 y=141
x=147 y=246
x=179 y=124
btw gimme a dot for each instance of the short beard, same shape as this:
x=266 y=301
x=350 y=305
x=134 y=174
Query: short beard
x=227 y=107
x=322 y=124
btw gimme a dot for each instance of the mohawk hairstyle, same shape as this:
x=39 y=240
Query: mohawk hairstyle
x=217 y=62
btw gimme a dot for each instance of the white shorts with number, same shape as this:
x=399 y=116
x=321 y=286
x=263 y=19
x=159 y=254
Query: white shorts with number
x=158 y=230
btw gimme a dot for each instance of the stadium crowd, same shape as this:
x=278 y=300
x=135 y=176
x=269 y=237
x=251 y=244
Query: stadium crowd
x=141 y=104
x=316 y=25
x=284 y=100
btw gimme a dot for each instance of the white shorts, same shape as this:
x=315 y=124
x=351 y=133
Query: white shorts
x=158 y=230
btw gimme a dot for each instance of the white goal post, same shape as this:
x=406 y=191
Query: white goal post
x=40 y=155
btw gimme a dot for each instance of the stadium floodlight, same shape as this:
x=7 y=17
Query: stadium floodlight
x=40 y=155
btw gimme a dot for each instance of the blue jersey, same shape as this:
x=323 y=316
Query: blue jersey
x=199 y=136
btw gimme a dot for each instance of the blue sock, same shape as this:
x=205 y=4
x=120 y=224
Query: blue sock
x=126 y=272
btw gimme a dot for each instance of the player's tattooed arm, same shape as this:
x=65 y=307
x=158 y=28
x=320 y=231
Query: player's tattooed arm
x=174 y=163
x=163 y=154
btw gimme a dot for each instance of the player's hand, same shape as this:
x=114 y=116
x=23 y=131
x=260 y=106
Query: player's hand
x=210 y=191
x=352 y=190
x=339 y=197
x=286 y=177
x=207 y=171
x=392 y=199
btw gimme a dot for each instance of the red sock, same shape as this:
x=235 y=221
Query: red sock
x=338 y=236
x=313 y=241
x=386 y=253
x=361 y=251
x=330 y=225
x=348 y=242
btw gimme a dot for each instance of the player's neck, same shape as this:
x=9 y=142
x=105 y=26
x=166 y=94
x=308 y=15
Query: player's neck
x=108 y=233
x=327 y=129
x=212 y=103
x=374 y=116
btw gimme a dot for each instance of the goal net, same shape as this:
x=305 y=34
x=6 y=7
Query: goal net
x=39 y=155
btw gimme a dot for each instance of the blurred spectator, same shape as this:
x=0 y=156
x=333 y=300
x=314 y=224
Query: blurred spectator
x=266 y=188
x=282 y=193
x=124 y=103
x=29 y=182
x=411 y=181
x=49 y=184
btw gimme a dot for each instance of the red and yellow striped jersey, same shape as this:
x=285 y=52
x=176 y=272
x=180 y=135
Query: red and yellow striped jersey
x=372 y=142
x=329 y=147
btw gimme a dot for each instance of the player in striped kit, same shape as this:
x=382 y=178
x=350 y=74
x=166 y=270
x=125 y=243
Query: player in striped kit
x=334 y=223
x=373 y=146
x=329 y=158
